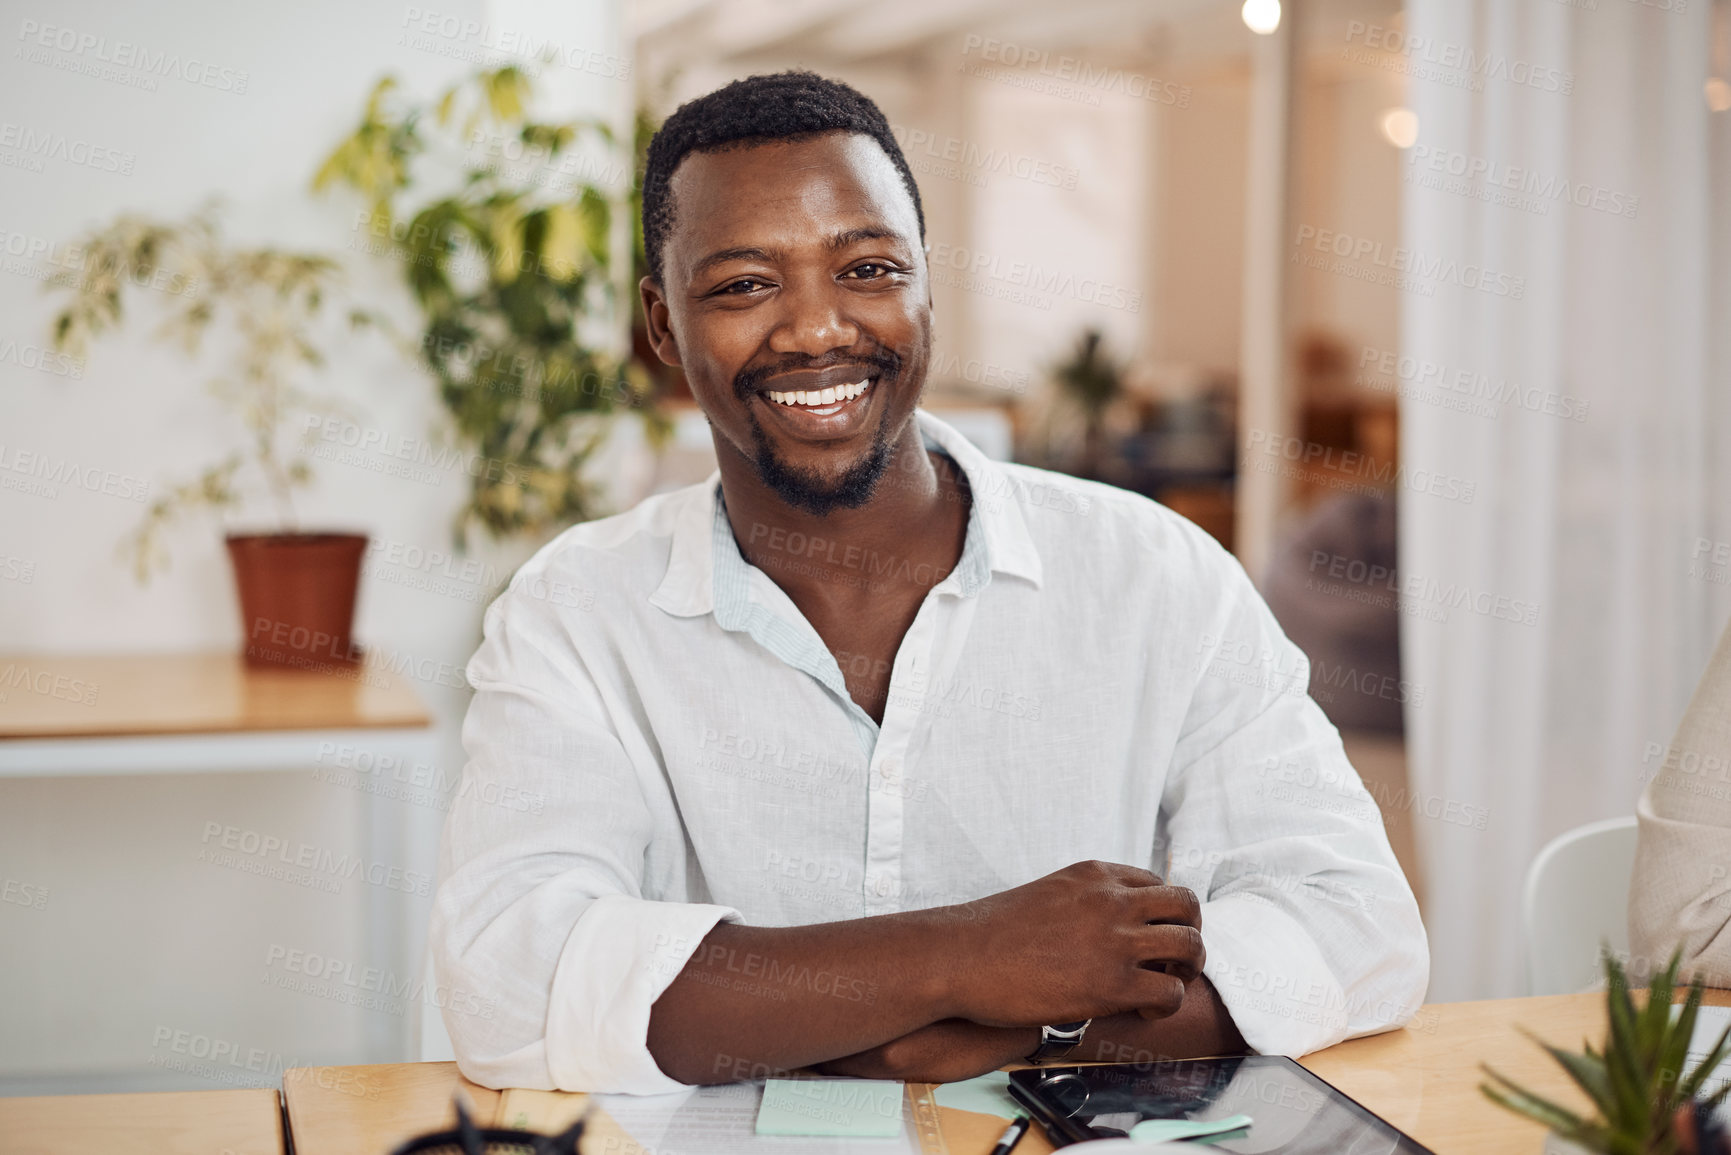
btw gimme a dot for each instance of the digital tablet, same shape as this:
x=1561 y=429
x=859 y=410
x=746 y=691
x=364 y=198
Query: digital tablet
x=1292 y=1111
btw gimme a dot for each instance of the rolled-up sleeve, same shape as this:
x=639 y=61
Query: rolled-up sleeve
x=1311 y=929
x=540 y=919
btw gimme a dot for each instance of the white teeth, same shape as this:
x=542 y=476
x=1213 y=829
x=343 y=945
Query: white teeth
x=824 y=397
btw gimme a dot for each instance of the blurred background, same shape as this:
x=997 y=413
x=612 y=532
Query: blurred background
x=1422 y=309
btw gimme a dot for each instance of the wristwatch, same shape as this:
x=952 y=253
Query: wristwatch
x=1058 y=1040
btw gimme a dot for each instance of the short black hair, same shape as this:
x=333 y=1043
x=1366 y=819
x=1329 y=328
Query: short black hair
x=790 y=105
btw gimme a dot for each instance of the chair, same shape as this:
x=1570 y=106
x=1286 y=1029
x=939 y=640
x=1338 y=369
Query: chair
x=1576 y=900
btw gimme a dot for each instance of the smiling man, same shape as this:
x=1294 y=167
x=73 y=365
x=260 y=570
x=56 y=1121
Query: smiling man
x=870 y=753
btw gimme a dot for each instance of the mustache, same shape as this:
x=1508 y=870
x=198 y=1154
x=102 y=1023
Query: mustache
x=884 y=363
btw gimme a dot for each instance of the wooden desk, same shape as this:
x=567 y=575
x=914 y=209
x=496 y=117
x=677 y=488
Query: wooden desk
x=165 y=1123
x=370 y=1110
x=1423 y=1078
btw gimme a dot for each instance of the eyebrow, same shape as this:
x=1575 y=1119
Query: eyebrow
x=836 y=243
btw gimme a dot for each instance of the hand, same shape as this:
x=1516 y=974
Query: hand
x=945 y=1052
x=1090 y=940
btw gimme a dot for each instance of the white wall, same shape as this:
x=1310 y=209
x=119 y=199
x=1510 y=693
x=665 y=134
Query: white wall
x=137 y=934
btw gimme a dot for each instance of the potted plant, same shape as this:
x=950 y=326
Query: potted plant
x=1093 y=380
x=297 y=587
x=509 y=260
x=1639 y=1083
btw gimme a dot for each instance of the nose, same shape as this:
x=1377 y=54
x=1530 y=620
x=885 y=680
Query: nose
x=813 y=319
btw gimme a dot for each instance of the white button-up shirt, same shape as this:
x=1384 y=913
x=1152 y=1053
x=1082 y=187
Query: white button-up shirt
x=659 y=740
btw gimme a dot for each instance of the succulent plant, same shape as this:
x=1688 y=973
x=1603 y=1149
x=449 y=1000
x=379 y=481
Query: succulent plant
x=1638 y=1082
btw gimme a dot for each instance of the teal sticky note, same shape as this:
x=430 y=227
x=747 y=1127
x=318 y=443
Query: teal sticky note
x=856 y=1108
x=989 y=1094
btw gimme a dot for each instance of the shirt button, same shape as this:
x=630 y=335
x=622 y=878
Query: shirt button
x=882 y=886
x=890 y=768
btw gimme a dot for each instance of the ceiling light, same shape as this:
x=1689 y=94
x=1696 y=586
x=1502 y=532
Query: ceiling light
x=1400 y=127
x=1261 y=16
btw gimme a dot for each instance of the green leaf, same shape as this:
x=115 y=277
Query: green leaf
x=1589 y=1073
x=1505 y=1093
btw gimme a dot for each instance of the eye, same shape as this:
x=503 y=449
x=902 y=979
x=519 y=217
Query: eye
x=742 y=286
x=870 y=271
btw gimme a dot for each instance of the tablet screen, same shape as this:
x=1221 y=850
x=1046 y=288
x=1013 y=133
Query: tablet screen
x=1292 y=1111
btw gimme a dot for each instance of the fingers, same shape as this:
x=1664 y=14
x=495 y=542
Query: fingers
x=1170 y=949
x=1155 y=995
x=1168 y=904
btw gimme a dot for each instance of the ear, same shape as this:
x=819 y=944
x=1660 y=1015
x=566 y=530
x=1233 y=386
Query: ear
x=657 y=321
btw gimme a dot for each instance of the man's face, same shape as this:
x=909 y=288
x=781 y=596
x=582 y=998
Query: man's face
x=794 y=276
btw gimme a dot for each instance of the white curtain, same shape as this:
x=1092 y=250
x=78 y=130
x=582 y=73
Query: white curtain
x=1593 y=528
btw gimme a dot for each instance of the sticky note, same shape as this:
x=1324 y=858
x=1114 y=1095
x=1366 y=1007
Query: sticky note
x=989 y=1094
x=858 y=1108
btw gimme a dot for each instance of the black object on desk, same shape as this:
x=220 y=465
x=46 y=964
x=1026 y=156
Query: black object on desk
x=1012 y=1135
x=1293 y=1111
x=468 y=1139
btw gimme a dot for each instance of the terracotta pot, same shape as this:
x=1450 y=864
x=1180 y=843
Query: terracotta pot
x=297 y=597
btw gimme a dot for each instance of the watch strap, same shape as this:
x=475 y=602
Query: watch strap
x=1057 y=1040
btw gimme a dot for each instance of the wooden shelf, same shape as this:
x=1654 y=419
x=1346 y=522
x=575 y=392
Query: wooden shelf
x=104 y=696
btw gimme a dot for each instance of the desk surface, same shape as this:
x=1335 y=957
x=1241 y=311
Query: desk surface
x=96 y=696
x=1423 y=1078
x=157 y=1123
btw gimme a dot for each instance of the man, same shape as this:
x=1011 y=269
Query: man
x=877 y=755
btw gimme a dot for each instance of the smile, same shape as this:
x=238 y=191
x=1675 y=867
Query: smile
x=820 y=401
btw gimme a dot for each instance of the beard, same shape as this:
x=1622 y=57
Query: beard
x=811 y=490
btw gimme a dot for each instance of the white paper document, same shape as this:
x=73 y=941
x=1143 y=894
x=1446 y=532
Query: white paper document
x=723 y=1121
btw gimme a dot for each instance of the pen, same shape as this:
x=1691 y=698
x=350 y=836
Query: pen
x=1012 y=1135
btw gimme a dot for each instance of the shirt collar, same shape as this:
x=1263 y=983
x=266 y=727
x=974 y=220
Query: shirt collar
x=998 y=540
